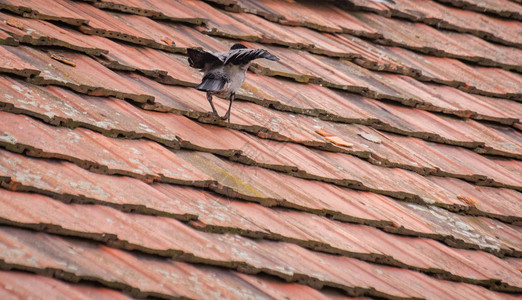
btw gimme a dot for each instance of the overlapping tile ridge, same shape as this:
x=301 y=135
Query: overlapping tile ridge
x=380 y=29
x=379 y=158
x=501 y=8
x=442 y=14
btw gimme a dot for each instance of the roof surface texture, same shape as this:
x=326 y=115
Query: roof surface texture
x=381 y=157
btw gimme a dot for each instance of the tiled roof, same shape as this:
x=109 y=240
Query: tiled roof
x=381 y=157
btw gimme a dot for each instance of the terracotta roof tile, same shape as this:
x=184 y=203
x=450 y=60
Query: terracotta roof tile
x=13 y=64
x=84 y=77
x=449 y=18
x=427 y=39
x=179 y=11
x=312 y=14
x=37 y=32
x=63 y=11
x=386 y=141
x=325 y=17
x=503 y=8
x=17 y=285
x=129 y=28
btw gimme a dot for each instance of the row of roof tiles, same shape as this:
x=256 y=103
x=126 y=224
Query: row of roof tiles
x=149 y=68
x=378 y=85
x=124 y=96
x=86 y=113
x=18 y=285
x=137 y=274
x=145 y=160
x=410 y=35
x=341 y=204
x=319 y=17
x=502 y=8
x=174 y=239
x=30 y=175
x=109 y=83
x=139 y=30
x=70 y=114
x=313 y=164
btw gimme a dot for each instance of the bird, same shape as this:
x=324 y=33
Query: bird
x=224 y=72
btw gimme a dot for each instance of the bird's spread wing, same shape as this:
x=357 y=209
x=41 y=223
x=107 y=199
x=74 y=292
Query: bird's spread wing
x=200 y=59
x=244 y=56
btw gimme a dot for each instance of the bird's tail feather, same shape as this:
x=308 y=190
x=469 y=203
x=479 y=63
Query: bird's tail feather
x=211 y=83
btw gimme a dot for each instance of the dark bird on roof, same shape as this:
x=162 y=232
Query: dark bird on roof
x=224 y=72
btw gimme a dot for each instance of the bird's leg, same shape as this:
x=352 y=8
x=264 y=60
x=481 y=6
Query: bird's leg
x=209 y=98
x=227 y=114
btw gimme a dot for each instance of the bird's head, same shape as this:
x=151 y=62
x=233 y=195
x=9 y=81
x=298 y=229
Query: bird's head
x=238 y=46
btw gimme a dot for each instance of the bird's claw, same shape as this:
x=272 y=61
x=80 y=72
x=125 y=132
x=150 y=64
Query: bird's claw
x=226 y=117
